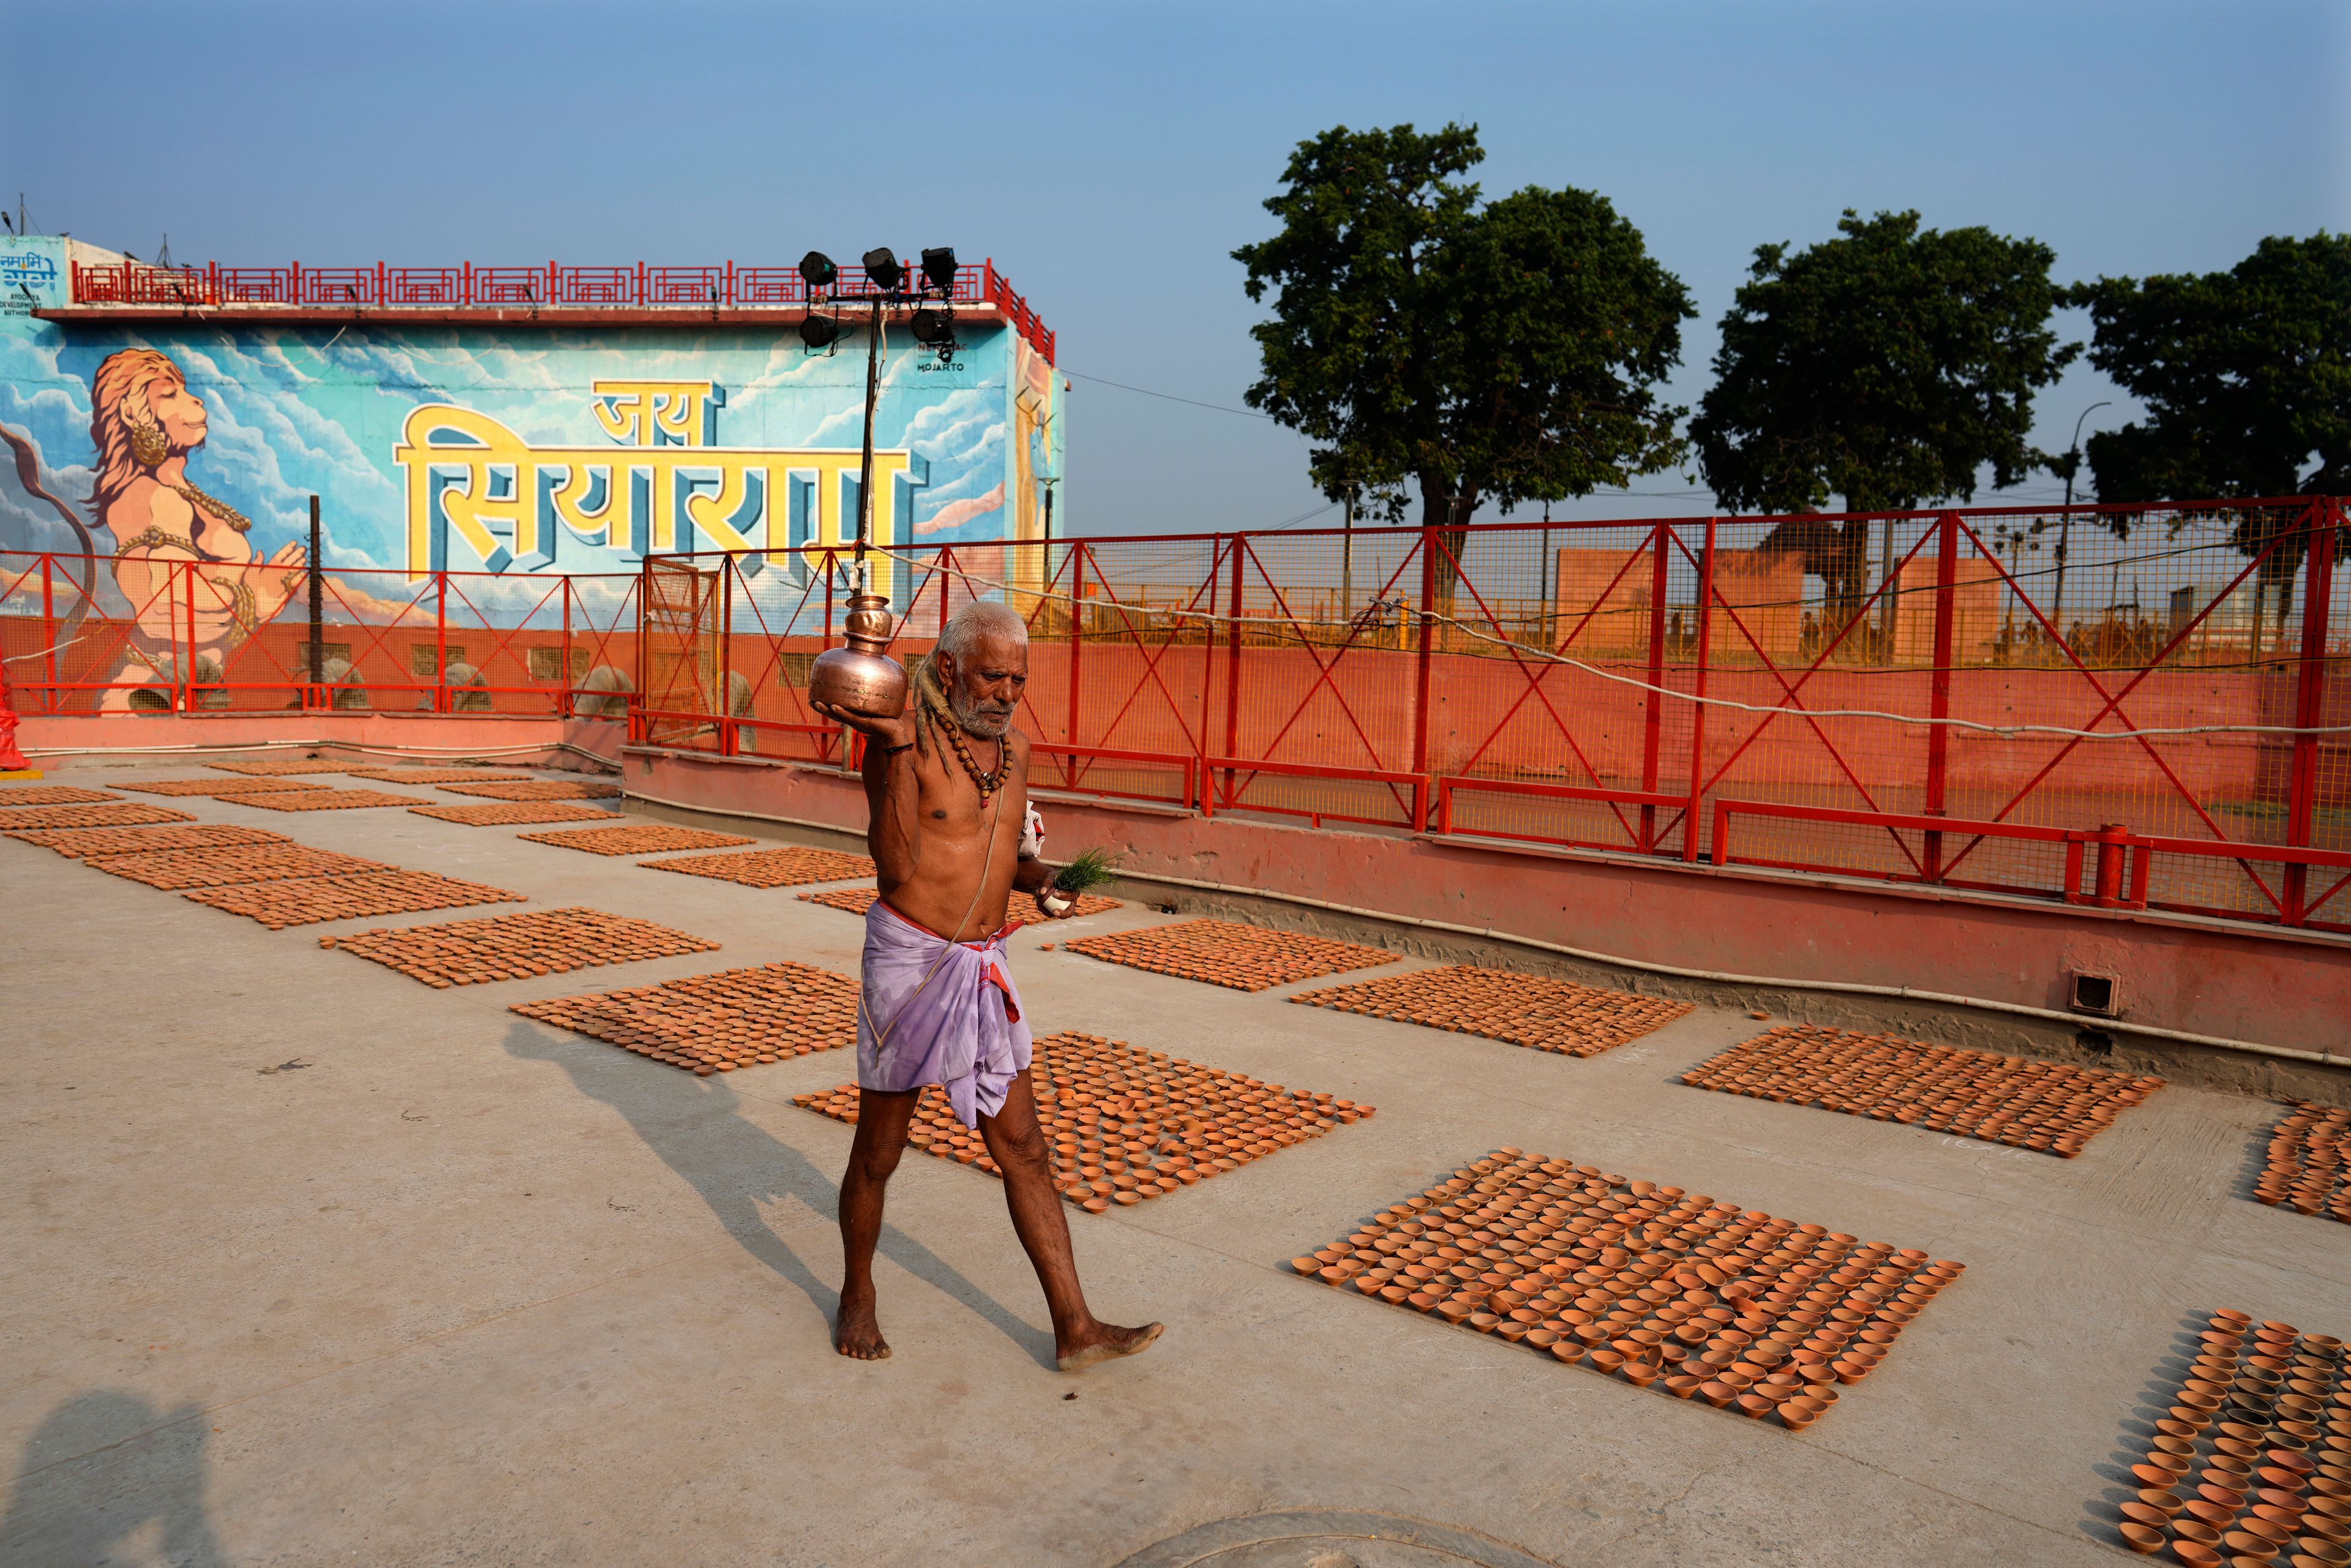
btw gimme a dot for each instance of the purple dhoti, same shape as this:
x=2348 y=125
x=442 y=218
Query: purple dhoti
x=935 y=1011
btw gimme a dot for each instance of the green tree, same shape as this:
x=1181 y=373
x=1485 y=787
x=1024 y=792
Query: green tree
x=1505 y=352
x=1888 y=367
x=2246 y=375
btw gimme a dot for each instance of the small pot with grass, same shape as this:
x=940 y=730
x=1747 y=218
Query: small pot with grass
x=1086 y=870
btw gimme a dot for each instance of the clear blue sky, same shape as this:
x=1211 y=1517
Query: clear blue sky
x=1109 y=156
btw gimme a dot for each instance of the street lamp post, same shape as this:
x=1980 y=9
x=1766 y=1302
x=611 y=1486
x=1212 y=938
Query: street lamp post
x=2065 y=527
x=935 y=328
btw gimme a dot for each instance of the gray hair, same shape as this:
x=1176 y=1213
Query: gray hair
x=981 y=619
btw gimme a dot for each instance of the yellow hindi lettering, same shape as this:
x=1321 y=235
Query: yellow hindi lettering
x=513 y=506
x=658 y=413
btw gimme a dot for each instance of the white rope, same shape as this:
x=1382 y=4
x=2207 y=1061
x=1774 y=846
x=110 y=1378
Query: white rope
x=2004 y=731
x=42 y=652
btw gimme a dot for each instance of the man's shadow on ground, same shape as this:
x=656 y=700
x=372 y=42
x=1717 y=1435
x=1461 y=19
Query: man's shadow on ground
x=82 y=1490
x=696 y=1127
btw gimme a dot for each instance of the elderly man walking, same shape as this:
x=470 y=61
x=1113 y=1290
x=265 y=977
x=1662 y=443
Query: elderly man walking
x=951 y=840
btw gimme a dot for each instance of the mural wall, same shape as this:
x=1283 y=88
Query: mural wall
x=513 y=452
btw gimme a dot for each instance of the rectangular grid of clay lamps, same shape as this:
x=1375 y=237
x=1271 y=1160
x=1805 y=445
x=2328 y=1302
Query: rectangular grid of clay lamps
x=307 y=901
x=114 y=814
x=434 y=775
x=1125 y=1124
x=326 y=800
x=1533 y=1010
x=282 y=768
x=536 y=789
x=717 y=1023
x=1223 y=952
x=221 y=788
x=84 y=843
x=2040 y=1105
x=638 y=839
x=1019 y=911
x=2305 y=1170
x=2252 y=1462
x=492 y=814
x=787 y=867
x=212 y=867
x=50 y=795
x=517 y=946
x=1741 y=1310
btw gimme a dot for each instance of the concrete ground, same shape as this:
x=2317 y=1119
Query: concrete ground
x=302 y=1262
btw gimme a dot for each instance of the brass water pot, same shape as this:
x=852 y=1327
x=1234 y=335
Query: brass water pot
x=862 y=678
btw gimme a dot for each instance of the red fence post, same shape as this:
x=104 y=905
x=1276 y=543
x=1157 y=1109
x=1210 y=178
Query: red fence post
x=1206 y=798
x=49 y=659
x=440 y=642
x=1938 y=735
x=1657 y=681
x=2310 y=698
x=728 y=740
x=640 y=728
x=1698 y=709
x=186 y=666
x=563 y=655
x=1077 y=605
x=1233 y=667
x=1420 y=680
x=836 y=740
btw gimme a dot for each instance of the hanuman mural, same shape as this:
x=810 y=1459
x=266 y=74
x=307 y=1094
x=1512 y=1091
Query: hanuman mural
x=180 y=557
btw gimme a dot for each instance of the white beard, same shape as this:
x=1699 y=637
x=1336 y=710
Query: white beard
x=972 y=721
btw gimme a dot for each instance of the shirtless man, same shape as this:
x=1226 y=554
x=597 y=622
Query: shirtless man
x=947 y=787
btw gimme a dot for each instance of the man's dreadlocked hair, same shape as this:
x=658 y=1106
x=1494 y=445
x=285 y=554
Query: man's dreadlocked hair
x=965 y=629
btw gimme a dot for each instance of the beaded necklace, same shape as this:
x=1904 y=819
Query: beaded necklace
x=988 y=783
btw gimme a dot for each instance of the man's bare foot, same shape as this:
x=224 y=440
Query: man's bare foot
x=857 y=1335
x=1105 y=1341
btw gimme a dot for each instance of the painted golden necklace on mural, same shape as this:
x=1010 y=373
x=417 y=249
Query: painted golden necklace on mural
x=988 y=783
x=217 y=508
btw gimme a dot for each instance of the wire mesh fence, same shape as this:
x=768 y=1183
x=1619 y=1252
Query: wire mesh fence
x=2118 y=705
x=146 y=635
x=2027 y=702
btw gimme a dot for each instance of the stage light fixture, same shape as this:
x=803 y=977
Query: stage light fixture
x=883 y=269
x=932 y=326
x=817 y=331
x=939 y=269
x=817 y=270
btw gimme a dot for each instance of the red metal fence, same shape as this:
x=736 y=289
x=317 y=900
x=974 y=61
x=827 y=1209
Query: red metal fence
x=2159 y=717
x=726 y=287
x=175 y=636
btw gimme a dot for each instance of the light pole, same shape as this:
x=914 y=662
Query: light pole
x=935 y=328
x=2065 y=527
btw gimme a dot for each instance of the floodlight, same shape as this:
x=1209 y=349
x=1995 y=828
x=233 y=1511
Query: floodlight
x=939 y=269
x=932 y=326
x=817 y=270
x=816 y=330
x=883 y=269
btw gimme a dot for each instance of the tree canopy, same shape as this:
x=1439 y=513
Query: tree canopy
x=2246 y=375
x=1886 y=366
x=1505 y=352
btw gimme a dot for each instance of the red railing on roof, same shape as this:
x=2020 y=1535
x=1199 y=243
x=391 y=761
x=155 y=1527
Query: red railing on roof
x=638 y=286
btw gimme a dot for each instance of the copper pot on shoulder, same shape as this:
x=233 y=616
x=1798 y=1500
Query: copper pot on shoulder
x=860 y=678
